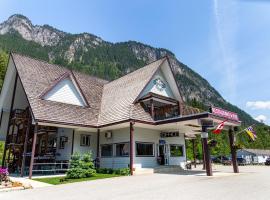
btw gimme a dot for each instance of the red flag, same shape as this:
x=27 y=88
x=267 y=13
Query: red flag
x=219 y=128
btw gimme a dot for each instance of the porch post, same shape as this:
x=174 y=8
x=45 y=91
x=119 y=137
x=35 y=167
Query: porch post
x=98 y=141
x=194 y=152
x=208 y=165
x=152 y=108
x=72 y=142
x=233 y=151
x=203 y=157
x=33 y=151
x=10 y=113
x=131 y=132
x=25 y=145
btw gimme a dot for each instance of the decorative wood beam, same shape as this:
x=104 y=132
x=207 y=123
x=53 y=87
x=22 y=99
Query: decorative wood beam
x=72 y=142
x=10 y=115
x=33 y=151
x=25 y=143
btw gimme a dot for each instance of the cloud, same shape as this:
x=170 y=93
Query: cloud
x=261 y=118
x=258 y=105
x=226 y=23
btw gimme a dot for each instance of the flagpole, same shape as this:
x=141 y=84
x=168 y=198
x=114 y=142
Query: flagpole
x=244 y=130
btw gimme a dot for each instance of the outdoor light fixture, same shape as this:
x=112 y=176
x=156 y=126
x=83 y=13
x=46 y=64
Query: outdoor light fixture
x=204 y=135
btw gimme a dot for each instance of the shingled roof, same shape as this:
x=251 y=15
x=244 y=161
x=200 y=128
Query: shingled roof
x=109 y=102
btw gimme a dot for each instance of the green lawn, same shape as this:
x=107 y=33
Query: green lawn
x=57 y=180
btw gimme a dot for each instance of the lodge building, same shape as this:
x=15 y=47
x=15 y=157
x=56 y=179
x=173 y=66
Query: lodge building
x=49 y=112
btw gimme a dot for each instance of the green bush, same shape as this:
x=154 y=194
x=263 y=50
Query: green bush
x=122 y=171
x=81 y=166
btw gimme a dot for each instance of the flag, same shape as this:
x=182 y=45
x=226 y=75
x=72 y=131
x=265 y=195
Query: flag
x=219 y=128
x=252 y=134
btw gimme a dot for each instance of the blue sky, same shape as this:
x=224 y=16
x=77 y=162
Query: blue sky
x=226 y=41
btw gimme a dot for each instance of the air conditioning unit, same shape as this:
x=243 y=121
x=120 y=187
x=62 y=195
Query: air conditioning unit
x=108 y=134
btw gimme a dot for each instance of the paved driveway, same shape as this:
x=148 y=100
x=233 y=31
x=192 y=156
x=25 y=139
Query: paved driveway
x=254 y=183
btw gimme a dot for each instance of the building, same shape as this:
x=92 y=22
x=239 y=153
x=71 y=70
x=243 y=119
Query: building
x=139 y=120
x=254 y=156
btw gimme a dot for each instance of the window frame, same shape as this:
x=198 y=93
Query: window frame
x=81 y=140
x=119 y=144
x=180 y=145
x=110 y=144
x=153 y=146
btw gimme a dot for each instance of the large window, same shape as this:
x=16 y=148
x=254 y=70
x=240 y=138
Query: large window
x=107 y=150
x=176 y=150
x=85 y=140
x=144 y=149
x=122 y=149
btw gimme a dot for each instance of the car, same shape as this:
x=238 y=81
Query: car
x=267 y=162
x=222 y=159
x=241 y=161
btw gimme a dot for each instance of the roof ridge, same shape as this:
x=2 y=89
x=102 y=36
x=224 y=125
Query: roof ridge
x=145 y=66
x=61 y=66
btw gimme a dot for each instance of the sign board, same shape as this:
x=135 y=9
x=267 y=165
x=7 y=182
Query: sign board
x=162 y=142
x=225 y=113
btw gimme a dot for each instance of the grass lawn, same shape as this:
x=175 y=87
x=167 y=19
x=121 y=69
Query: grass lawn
x=57 y=180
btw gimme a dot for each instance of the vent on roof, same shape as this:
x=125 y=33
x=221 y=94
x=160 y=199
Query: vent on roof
x=66 y=91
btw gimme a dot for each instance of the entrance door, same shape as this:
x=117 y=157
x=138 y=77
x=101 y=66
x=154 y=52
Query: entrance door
x=163 y=150
x=161 y=155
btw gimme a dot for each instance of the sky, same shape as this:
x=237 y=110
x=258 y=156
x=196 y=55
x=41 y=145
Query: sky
x=226 y=41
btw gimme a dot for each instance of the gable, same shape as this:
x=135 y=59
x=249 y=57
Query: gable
x=158 y=85
x=65 y=92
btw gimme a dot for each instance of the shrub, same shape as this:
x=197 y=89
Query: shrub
x=122 y=171
x=81 y=166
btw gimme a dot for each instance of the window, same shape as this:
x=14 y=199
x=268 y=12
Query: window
x=85 y=140
x=122 y=149
x=144 y=149
x=62 y=142
x=176 y=150
x=107 y=150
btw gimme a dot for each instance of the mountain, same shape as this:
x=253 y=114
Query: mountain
x=91 y=54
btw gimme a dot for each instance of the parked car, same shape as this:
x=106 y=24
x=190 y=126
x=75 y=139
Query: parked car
x=241 y=161
x=222 y=159
x=267 y=162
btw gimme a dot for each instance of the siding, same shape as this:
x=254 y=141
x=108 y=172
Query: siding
x=65 y=92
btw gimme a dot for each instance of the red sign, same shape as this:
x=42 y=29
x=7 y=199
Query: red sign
x=224 y=113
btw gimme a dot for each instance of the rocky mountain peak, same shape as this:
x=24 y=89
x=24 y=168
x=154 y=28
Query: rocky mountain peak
x=44 y=35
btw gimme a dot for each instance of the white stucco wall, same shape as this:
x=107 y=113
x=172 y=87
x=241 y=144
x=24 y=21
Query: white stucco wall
x=140 y=135
x=85 y=149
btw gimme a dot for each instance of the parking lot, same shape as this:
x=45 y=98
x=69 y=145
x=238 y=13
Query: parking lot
x=252 y=183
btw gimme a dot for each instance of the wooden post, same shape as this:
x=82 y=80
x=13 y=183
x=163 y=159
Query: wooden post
x=97 y=157
x=203 y=157
x=33 y=151
x=208 y=165
x=194 y=152
x=152 y=108
x=25 y=144
x=72 y=142
x=233 y=151
x=131 y=142
x=10 y=115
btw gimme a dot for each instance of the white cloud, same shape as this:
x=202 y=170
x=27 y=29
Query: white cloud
x=261 y=118
x=256 y=105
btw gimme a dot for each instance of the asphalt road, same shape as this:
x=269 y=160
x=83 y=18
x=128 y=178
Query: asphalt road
x=252 y=183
